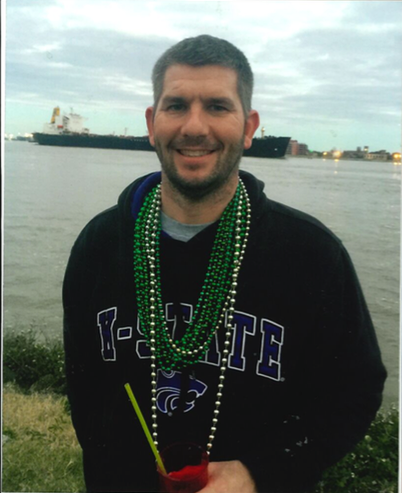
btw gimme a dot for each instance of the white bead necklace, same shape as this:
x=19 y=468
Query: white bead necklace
x=228 y=310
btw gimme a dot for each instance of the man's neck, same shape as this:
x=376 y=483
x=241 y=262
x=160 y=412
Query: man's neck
x=187 y=211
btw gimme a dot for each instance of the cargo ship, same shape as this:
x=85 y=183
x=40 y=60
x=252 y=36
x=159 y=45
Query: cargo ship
x=69 y=131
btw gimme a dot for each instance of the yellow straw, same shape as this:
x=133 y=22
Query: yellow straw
x=145 y=427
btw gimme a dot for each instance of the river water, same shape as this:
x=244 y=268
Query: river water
x=51 y=193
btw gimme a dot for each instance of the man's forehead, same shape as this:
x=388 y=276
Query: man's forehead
x=215 y=79
x=188 y=72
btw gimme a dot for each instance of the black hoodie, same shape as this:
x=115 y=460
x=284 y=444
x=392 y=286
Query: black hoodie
x=304 y=378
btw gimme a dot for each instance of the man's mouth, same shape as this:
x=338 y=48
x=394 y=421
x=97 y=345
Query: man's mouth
x=194 y=152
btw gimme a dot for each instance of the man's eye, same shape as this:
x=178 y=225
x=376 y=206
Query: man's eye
x=175 y=107
x=218 y=108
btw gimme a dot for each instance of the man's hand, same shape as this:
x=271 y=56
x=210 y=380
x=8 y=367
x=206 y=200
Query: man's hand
x=229 y=477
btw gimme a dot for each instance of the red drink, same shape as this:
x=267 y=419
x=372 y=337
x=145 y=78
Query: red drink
x=186 y=465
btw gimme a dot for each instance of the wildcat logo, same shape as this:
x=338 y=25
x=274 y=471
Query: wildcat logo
x=168 y=391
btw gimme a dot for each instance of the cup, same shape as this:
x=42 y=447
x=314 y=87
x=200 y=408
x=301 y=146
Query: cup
x=186 y=466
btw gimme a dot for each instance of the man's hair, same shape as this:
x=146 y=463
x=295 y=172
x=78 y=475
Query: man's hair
x=206 y=50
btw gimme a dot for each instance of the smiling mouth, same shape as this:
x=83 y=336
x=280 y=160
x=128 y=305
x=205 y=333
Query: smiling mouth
x=194 y=152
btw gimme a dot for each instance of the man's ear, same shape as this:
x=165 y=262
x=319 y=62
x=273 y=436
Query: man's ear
x=149 y=116
x=252 y=123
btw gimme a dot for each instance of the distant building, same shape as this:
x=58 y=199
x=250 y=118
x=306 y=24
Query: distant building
x=379 y=156
x=360 y=154
x=292 y=148
x=303 y=150
x=296 y=148
x=357 y=154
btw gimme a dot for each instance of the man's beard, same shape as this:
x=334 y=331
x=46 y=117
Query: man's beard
x=197 y=190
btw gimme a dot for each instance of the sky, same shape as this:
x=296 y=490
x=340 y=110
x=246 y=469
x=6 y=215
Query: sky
x=327 y=73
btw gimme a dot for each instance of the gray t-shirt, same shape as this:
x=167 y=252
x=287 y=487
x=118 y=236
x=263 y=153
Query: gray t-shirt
x=180 y=231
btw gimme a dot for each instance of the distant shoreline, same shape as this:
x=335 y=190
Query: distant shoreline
x=390 y=161
x=288 y=156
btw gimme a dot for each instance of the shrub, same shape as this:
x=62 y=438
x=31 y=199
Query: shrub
x=33 y=365
x=373 y=466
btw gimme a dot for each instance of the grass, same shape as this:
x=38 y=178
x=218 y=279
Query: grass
x=41 y=452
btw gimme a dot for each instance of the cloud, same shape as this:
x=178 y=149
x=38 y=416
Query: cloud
x=382 y=15
x=89 y=65
x=331 y=75
x=325 y=62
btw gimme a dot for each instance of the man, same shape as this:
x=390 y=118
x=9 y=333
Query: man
x=238 y=322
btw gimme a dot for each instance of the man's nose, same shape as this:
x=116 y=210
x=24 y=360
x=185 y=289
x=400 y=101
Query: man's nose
x=195 y=122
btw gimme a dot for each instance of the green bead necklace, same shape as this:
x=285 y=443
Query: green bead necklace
x=216 y=300
x=216 y=292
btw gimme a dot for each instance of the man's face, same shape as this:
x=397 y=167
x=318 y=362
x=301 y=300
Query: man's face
x=199 y=129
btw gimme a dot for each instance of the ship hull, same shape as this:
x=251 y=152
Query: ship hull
x=94 y=141
x=267 y=147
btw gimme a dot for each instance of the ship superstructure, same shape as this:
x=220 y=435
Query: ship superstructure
x=70 y=123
